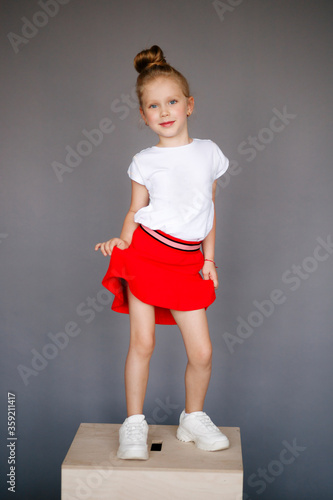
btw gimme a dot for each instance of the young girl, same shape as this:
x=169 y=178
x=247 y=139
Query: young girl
x=155 y=263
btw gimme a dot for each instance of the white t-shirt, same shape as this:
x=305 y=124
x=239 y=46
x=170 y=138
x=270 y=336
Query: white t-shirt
x=179 y=181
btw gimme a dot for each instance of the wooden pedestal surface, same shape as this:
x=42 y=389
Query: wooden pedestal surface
x=92 y=471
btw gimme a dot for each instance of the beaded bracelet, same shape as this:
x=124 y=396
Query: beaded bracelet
x=213 y=263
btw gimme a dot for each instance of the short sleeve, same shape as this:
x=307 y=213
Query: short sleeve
x=221 y=163
x=134 y=172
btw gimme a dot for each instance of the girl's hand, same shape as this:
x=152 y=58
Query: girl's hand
x=107 y=247
x=209 y=273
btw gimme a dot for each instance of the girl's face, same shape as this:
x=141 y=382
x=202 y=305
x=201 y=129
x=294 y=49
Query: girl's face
x=165 y=109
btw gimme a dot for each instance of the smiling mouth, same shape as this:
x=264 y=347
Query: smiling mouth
x=166 y=124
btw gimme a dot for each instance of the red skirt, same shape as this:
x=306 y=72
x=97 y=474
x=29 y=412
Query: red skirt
x=159 y=275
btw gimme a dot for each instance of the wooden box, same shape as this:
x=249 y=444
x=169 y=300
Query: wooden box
x=92 y=471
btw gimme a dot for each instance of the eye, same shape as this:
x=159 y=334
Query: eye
x=173 y=101
x=153 y=106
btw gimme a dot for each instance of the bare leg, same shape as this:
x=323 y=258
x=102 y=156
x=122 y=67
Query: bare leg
x=141 y=347
x=194 y=328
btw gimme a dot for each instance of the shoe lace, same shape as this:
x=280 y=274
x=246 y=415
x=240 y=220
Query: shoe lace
x=207 y=423
x=134 y=431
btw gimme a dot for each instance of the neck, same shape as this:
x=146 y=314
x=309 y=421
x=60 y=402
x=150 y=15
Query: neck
x=173 y=142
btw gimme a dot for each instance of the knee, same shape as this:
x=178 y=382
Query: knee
x=202 y=357
x=143 y=344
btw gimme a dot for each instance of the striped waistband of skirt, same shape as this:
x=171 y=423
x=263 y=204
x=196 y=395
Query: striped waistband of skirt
x=170 y=241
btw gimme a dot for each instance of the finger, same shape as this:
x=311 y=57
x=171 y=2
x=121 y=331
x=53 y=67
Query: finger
x=103 y=249
x=111 y=246
x=98 y=246
x=119 y=244
x=106 y=248
x=113 y=243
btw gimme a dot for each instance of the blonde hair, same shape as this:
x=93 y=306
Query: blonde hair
x=151 y=64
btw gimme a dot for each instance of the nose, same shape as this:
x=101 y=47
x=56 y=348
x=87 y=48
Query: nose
x=164 y=111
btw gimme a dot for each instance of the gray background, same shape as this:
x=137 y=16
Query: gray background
x=242 y=64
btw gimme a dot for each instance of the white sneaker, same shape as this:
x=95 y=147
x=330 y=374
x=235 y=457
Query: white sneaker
x=133 y=438
x=198 y=427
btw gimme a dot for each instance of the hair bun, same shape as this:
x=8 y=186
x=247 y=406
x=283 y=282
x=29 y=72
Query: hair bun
x=149 y=57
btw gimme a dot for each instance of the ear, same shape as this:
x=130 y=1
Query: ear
x=143 y=115
x=190 y=105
